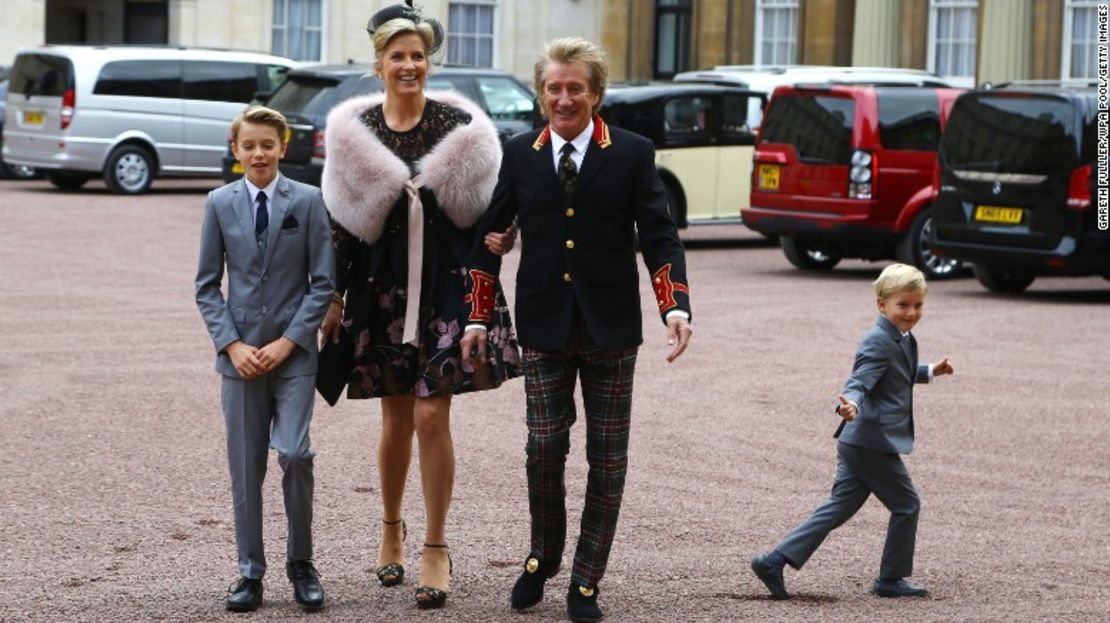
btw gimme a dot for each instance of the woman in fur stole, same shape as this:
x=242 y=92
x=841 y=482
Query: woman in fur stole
x=406 y=178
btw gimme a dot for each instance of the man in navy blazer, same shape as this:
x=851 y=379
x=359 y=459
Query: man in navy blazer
x=581 y=192
x=876 y=408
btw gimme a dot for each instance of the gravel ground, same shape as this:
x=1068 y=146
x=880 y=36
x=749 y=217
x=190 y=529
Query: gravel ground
x=115 y=488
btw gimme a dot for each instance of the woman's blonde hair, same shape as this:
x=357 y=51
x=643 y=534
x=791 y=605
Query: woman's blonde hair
x=402 y=26
x=899 y=278
x=572 y=50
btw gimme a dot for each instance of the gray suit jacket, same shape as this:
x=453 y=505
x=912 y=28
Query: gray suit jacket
x=284 y=291
x=881 y=385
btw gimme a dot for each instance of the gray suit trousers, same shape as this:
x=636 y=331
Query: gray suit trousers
x=859 y=473
x=262 y=413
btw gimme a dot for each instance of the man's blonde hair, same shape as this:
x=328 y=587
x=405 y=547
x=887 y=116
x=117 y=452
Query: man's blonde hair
x=572 y=50
x=401 y=26
x=899 y=278
x=262 y=116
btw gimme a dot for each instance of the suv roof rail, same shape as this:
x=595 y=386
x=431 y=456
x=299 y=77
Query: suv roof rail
x=1062 y=82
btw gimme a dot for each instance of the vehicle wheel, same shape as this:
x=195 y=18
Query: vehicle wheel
x=914 y=249
x=805 y=257
x=67 y=181
x=129 y=171
x=1002 y=280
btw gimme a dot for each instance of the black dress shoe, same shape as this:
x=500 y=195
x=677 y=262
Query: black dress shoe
x=528 y=590
x=582 y=604
x=899 y=587
x=306 y=584
x=771 y=576
x=245 y=595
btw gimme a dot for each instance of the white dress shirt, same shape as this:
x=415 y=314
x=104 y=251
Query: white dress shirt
x=269 y=190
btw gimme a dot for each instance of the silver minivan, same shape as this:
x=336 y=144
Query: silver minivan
x=129 y=113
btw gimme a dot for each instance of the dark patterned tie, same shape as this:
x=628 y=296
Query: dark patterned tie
x=568 y=171
x=262 y=216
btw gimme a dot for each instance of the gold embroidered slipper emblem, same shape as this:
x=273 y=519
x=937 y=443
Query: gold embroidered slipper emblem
x=586 y=592
x=532 y=566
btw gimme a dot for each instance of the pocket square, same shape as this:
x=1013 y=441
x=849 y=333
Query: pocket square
x=290 y=222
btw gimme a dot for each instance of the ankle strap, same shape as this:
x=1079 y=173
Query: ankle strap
x=443 y=545
x=392 y=523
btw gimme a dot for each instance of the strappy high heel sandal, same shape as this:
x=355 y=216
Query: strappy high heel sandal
x=428 y=597
x=393 y=573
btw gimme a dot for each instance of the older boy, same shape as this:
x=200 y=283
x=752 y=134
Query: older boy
x=274 y=236
x=876 y=408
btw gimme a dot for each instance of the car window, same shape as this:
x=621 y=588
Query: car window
x=505 y=100
x=818 y=126
x=1008 y=134
x=140 y=79
x=909 y=119
x=304 y=95
x=735 y=115
x=41 y=74
x=275 y=76
x=688 y=120
x=217 y=81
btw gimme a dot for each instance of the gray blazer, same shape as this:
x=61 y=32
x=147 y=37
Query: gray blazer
x=283 y=291
x=881 y=385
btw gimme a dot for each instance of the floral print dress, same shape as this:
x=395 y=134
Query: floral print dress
x=374 y=277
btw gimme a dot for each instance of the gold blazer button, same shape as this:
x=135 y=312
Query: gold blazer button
x=570 y=244
x=567 y=277
x=570 y=212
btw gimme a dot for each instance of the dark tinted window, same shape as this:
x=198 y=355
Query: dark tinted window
x=140 y=78
x=639 y=118
x=688 y=120
x=41 y=74
x=220 y=82
x=819 y=127
x=1001 y=134
x=734 y=118
x=909 y=119
x=304 y=95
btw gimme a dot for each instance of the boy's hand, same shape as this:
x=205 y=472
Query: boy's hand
x=943 y=367
x=275 y=353
x=847 y=410
x=245 y=359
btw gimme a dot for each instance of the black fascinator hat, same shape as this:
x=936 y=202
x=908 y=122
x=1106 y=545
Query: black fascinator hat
x=406 y=11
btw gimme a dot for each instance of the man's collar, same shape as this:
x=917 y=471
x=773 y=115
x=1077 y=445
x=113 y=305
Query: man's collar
x=580 y=142
x=269 y=189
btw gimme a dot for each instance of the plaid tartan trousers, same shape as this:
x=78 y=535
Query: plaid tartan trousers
x=549 y=379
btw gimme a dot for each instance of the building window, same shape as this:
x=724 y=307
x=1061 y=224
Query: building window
x=776 y=32
x=1078 y=56
x=672 y=37
x=298 y=29
x=952 y=27
x=470 y=27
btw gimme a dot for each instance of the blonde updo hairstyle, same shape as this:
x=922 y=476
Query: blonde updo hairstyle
x=402 y=26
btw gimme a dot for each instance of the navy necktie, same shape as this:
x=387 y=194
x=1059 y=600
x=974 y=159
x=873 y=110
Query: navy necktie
x=262 y=216
x=568 y=171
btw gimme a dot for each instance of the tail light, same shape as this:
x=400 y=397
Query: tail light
x=318 y=144
x=1079 y=188
x=69 y=105
x=861 y=175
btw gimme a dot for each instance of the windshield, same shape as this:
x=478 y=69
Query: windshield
x=818 y=126
x=304 y=95
x=999 y=134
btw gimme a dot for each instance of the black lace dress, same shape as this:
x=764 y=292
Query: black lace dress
x=374 y=277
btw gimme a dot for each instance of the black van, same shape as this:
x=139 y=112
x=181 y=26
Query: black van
x=309 y=93
x=1017 y=178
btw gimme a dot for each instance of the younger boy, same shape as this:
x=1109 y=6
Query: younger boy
x=274 y=236
x=876 y=408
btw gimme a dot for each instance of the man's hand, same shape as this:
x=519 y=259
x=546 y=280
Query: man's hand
x=678 y=335
x=500 y=244
x=943 y=367
x=245 y=359
x=473 y=346
x=275 y=353
x=329 y=329
x=847 y=410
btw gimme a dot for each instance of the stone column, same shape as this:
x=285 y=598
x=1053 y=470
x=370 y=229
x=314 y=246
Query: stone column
x=877 y=26
x=1005 y=43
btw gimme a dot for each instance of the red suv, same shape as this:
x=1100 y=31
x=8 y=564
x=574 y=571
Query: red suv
x=848 y=171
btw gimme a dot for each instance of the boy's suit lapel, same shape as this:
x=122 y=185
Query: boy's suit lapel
x=905 y=344
x=278 y=207
x=241 y=204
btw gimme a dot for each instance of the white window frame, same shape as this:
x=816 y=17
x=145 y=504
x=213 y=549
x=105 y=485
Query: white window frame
x=763 y=7
x=284 y=28
x=495 y=33
x=935 y=9
x=1067 y=40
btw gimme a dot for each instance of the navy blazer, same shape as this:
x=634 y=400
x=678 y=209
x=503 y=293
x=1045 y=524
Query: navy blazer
x=881 y=385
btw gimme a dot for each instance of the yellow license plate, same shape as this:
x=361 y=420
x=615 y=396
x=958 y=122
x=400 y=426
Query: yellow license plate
x=288 y=135
x=996 y=214
x=33 y=118
x=237 y=168
x=769 y=176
